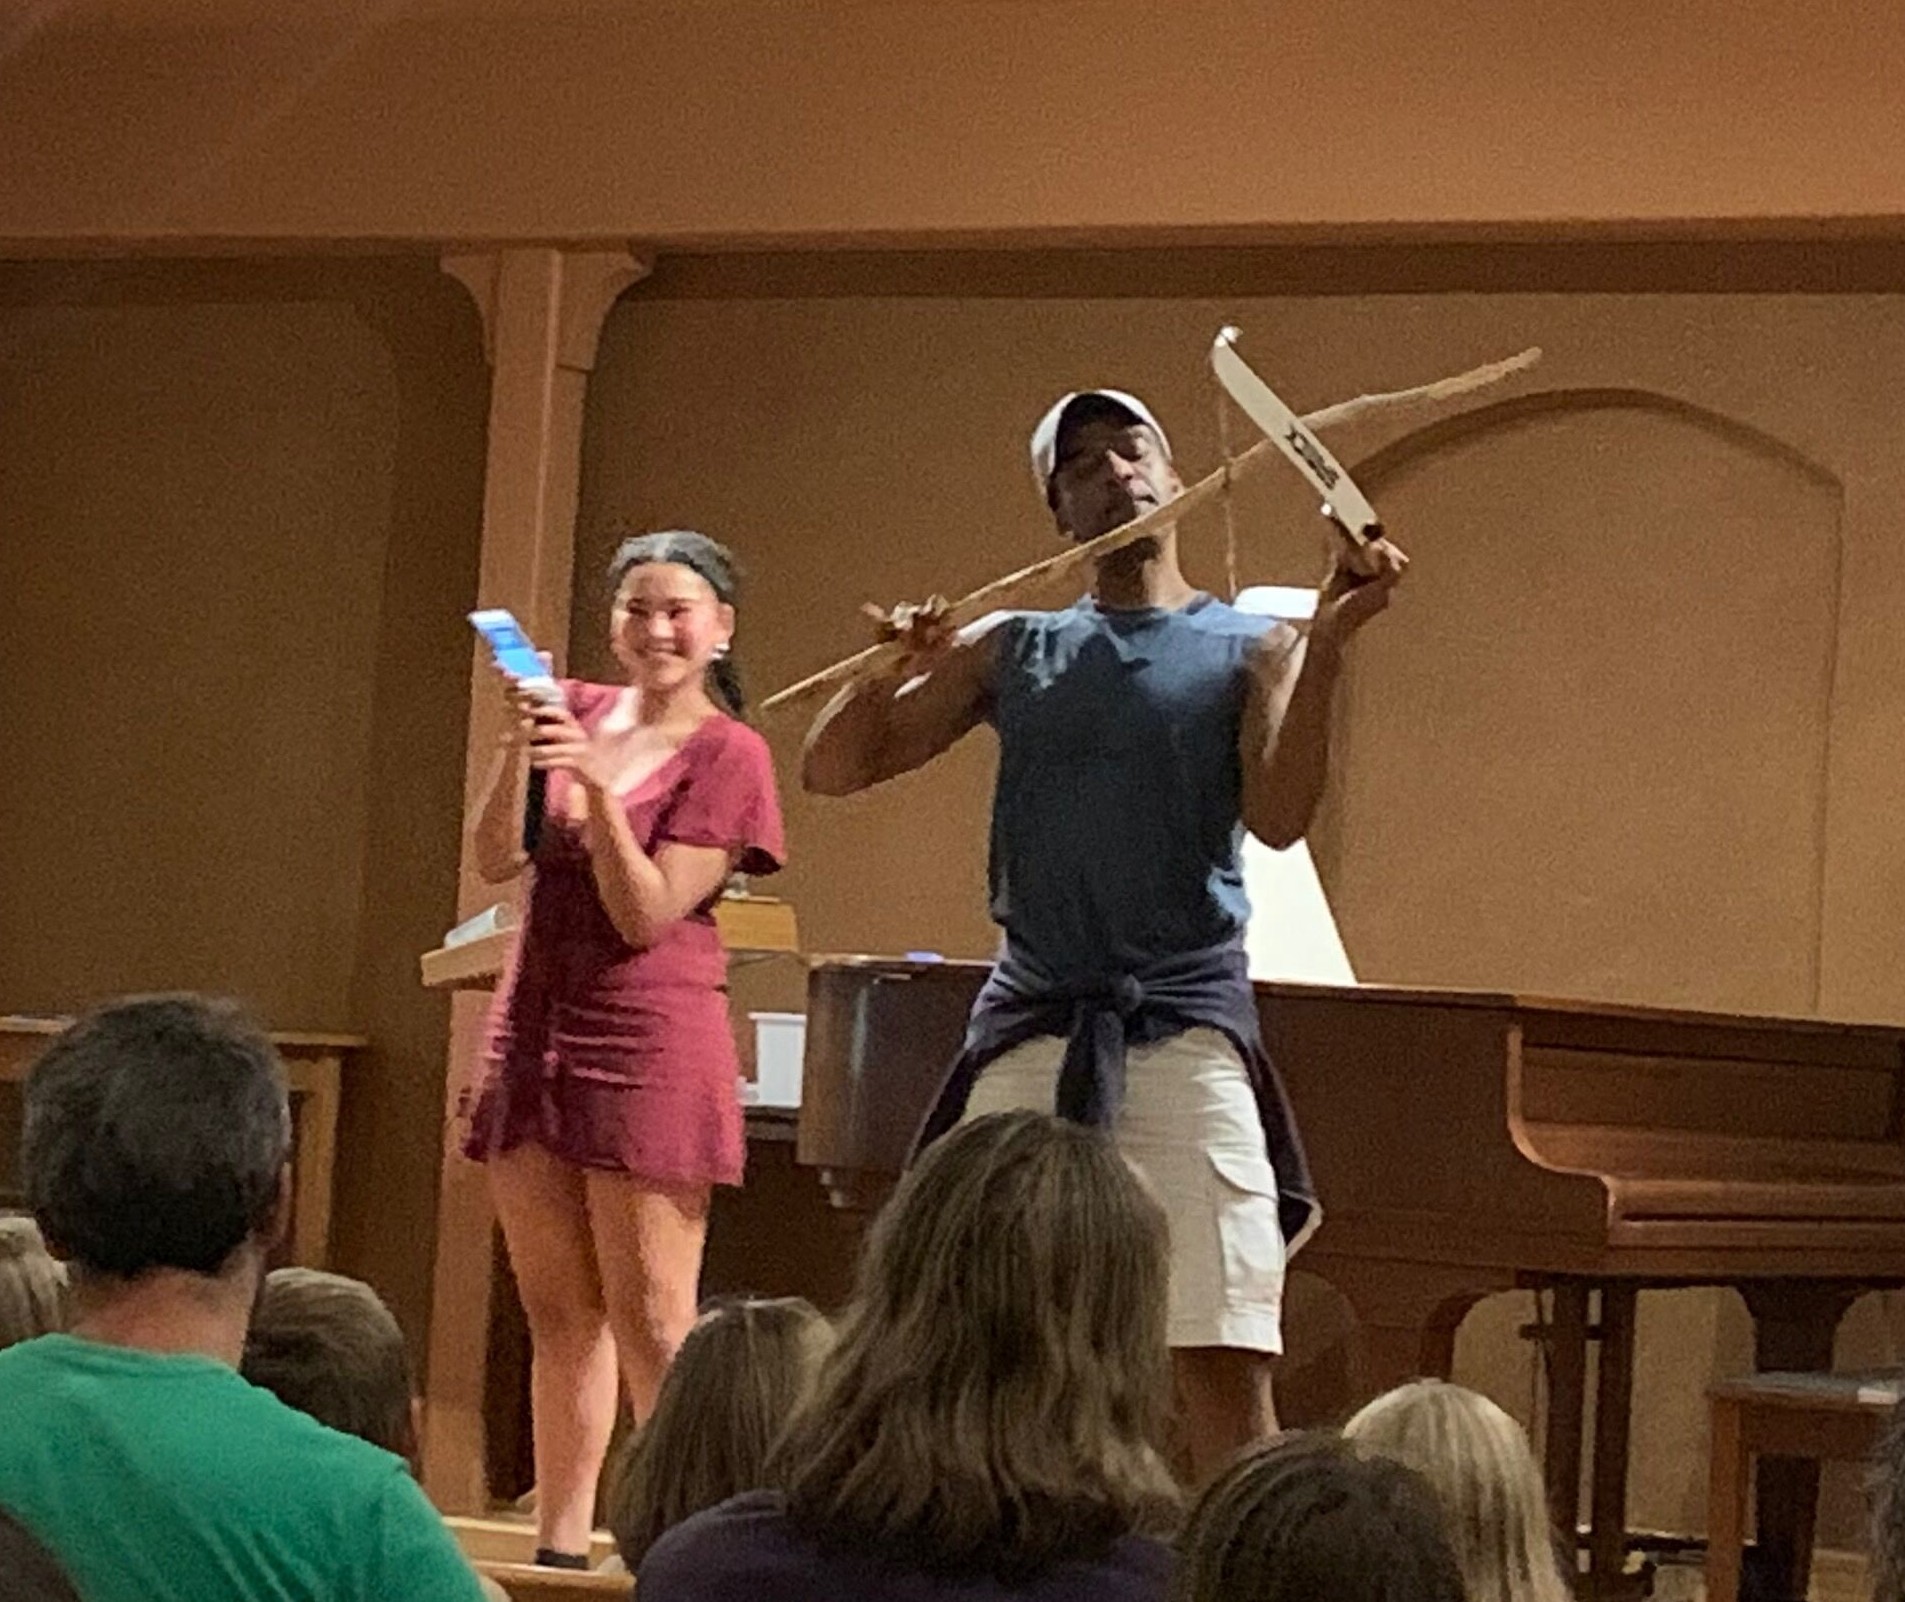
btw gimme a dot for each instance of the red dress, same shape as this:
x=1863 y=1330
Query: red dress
x=611 y=1057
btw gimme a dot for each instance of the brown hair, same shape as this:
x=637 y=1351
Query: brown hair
x=1316 y=1518
x=1476 y=1460
x=995 y=1399
x=733 y=1385
x=328 y=1346
x=32 y=1283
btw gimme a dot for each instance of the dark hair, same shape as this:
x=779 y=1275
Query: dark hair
x=1316 y=1518
x=995 y=1399
x=715 y=563
x=728 y=1394
x=156 y=1135
x=328 y=1346
x=32 y=1573
x=1885 y=1491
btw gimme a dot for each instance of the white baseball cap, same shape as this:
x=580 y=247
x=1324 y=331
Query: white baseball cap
x=1052 y=424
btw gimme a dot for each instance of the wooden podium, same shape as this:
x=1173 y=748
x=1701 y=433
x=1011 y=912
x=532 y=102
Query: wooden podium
x=749 y=925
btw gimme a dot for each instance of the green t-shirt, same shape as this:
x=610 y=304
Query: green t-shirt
x=171 y=1479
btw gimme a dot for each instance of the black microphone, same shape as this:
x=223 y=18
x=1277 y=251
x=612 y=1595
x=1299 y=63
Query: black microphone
x=535 y=802
x=536 y=799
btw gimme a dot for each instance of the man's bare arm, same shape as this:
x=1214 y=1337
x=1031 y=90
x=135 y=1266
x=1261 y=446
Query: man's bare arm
x=899 y=720
x=1284 y=744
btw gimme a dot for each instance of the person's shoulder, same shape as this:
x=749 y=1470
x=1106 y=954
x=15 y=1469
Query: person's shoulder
x=405 y=1547
x=1217 y=616
x=753 y=1515
x=89 y=1365
x=330 y=1457
x=746 y=1535
x=1144 y=1558
x=35 y=1353
x=1136 y=1569
x=1077 y=618
x=724 y=735
x=993 y=622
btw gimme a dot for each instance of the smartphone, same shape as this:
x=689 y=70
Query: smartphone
x=516 y=656
x=514 y=653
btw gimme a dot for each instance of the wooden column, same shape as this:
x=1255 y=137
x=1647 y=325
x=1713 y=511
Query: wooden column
x=542 y=316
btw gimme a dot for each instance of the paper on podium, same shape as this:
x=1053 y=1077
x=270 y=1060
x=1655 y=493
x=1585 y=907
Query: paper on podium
x=1292 y=933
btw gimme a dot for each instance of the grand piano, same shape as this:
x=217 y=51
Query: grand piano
x=1468 y=1143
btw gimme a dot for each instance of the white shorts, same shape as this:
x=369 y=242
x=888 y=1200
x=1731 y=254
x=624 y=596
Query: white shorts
x=1190 y=1125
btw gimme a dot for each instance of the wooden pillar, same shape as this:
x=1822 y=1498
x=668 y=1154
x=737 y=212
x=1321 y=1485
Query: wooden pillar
x=542 y=316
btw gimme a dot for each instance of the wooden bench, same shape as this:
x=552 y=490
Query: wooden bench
x=525 y=1582
x=1822 y=1417
x=503 y=1538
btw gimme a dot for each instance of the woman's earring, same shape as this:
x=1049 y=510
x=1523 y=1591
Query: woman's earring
x=721 y=650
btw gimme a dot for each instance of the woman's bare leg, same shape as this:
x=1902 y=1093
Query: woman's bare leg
x=648 y=1241
x=543 y=1205
x=1224 y=1405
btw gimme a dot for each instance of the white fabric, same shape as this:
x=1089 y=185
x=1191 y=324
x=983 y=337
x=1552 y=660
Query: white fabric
x=1190 y=1125
x=1045 y=436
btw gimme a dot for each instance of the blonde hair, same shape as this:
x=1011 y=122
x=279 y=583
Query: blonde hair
x=1885 y=1495
x=744 y=1368
x=1478 y=1461
x=995 y=1399
x=32 y=1283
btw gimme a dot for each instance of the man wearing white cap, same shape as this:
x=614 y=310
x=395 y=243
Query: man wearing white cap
x=1140 y=731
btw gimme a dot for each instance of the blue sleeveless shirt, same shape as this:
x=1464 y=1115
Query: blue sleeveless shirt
x=1116 y=871
x=1115 y=822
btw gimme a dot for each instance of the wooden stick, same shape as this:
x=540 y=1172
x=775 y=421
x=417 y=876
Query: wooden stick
x=991 y=596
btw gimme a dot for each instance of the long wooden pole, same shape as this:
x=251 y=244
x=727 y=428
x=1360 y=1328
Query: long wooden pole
x=1000 y=591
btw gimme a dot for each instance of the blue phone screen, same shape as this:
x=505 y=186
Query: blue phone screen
x=514 y=653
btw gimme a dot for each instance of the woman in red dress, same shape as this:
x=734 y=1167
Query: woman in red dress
x=608 y=1108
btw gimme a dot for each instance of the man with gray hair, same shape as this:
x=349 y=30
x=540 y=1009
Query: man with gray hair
x=1140 y=732
x=155 y=1154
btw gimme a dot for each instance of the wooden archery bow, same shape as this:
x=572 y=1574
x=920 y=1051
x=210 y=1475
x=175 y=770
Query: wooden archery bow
x=992 y=596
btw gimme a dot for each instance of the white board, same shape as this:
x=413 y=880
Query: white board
x=1292 y=932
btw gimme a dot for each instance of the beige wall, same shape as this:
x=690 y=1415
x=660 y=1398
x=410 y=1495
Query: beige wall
x=238 y=514
x=1635 y=730
x=742 y=121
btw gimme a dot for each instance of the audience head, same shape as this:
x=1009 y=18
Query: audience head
x=737 y=1379
x=996 y=1394
x=32 y=1283
x=1477 y=1460
x=328 y=1346
x=1316 y=1518
x=155 y=1138
x=1885 y=1489
x=28 y=1572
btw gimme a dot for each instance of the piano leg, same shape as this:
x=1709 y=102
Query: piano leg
x=1794 y=1322
x=1613 y=1407
x=1565 y=1337
x=1406 y=1315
